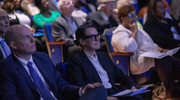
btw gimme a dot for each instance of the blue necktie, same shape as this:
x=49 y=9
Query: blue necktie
x=7 y=52
x=45 y=93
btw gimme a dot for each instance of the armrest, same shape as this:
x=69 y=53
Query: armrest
x=121 y=54
x=57 y=42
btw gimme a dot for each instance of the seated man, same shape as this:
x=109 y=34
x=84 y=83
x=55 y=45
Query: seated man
x=4 y=23
x=91 y=66
x=63 y=28
x=105 y=17
x=30 y=75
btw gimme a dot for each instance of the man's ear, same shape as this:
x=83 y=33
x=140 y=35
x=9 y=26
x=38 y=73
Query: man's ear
x=81 y=41
x=12 y=45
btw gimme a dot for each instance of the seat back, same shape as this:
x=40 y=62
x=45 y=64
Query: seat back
x=61 y=67
x=48 y=32
x=55 y=49
x=108 y=37
x=120 y=59
x=137 y=8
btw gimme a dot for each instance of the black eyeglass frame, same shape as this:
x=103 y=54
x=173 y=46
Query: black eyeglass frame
x=93 y=37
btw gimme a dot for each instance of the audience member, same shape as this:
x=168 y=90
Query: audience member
x=78 y=13
x=91 y=66
x=18 y=15
x=30 y=75
x=164 y=31
x=127 y=37
x=175 y=10
x=46 y=16
x=30 y=7
x=85 y=6
x=63 y=28
x=4 y=23
x=105 y=17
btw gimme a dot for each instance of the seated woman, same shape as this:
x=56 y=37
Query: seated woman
x=46 y=16
x=18 y=15
x=164 y=31
x=127 y=37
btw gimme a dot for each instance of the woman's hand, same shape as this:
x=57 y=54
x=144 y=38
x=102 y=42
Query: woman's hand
x=134 y=29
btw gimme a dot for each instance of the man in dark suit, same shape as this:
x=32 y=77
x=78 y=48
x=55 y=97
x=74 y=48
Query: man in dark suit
x=91 y=66
x=63 y=28
x=30 y=75
x=105 y=17
x=4 y=23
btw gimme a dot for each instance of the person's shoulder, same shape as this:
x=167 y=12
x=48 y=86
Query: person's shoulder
x=102 y=53
x=93 y=14
x=40 y=54
x=58 y=19
x=7 y=61
x=56 y=13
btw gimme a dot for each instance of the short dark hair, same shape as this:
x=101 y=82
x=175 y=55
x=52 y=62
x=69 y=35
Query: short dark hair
x=80 y=32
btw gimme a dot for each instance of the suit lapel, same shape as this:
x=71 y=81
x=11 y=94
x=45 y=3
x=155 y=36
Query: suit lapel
x=90 y=67
x=20 y=68
x=104 y=64
x=66 y=25
x=107 y=67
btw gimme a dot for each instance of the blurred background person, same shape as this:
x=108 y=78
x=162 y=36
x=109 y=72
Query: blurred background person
x=127 y=37
x=46 y=16
x=18 y=15
x=63 y=28
x=175 y=10
x=85 y=6
x=105 y=17
x=4 y=24
x=164 y=31
x=30 y=7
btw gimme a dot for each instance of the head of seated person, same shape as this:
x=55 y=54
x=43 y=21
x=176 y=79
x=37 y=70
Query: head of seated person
x=66 y=7
x=88 y=38
x=127 y=15
x=107 y=6
x=156 y=9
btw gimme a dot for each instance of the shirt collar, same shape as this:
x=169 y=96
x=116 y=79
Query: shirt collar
x=90 y=56
x=24 y=62
x=69 y=18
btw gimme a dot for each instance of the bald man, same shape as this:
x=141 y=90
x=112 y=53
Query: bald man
x=4 y=23
x=30 y=75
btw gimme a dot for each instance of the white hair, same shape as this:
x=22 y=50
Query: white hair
x=60 y=4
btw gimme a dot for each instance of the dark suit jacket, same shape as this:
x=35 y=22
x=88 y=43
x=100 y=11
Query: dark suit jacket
x=101 y=24
x=16 y=84
x=161 y=33
x=1 y=55
x=81 y=71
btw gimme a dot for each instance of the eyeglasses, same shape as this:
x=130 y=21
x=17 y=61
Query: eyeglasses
x=68 y=3
x=132 y=15
x=4 y=17
x=93 y=37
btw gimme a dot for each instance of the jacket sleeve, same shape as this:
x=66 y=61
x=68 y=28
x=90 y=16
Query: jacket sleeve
x=122 y=42
x=59 y=33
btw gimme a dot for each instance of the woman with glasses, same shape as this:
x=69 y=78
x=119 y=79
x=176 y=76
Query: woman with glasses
x=129 y=38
